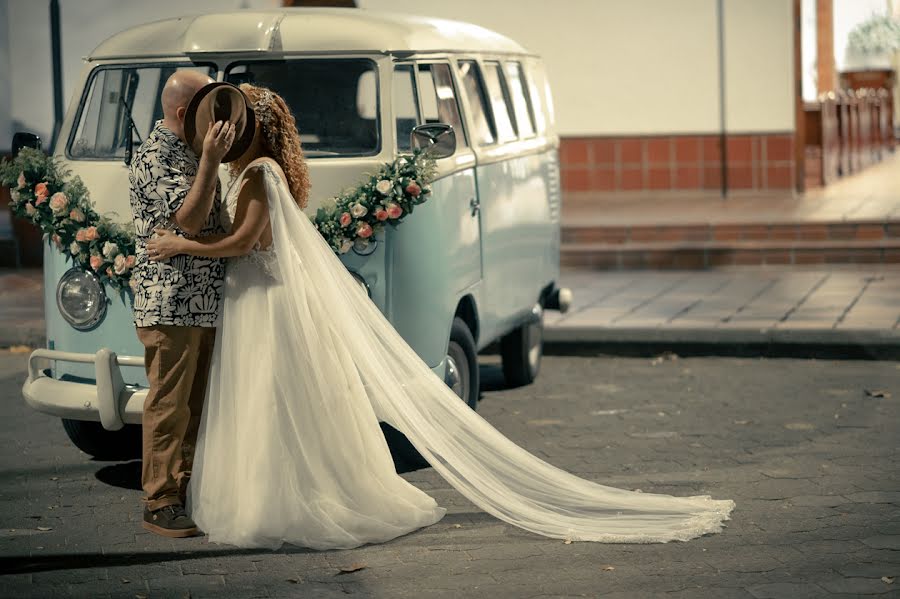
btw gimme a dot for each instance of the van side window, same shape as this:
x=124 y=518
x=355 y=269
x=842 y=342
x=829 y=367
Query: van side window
x=500 y=104
x=439 y=99
x=405 y=112
x=521 y=102
x=534 y=92
x=473 y=86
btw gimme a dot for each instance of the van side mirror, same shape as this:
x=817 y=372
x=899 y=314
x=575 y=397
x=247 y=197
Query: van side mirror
x=25 y=140
x=440 y=138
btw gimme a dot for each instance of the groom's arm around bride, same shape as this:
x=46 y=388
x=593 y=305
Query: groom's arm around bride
x=176 y=302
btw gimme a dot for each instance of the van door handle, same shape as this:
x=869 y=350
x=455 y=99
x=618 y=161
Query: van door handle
x=475 y=205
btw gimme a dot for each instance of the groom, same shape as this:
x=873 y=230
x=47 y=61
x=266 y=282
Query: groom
x=176 y=302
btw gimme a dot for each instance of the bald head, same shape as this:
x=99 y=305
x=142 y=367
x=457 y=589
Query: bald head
x=176 y=96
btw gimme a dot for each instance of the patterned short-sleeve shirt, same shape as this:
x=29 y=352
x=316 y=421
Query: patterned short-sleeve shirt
x=183 y=290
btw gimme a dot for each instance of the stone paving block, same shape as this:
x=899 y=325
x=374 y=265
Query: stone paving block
x=785 y=590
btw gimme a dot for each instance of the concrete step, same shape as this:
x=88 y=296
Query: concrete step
x=710 y=254
x=698 y=246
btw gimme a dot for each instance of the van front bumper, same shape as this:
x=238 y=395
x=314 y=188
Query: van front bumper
x=109 y=401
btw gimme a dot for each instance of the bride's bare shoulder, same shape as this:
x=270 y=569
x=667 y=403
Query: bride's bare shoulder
x=265 y=160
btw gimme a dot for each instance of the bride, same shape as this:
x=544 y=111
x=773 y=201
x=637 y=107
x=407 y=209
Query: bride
x=305 y=367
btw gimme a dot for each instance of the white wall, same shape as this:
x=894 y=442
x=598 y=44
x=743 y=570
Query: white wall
x=809 y=49
x=647 y=66
x=759 y=73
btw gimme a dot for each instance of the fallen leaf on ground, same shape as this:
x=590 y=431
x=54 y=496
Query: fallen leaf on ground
x=125 y=581
x=877 y=393
x=609 y=568
x=54 y=478
x=741 y=421
x=663 y=357
x=799 y=426
x=457 y=526
x=887 y=579
x=19 y=349
x=567 y=542
x=44 y=528
x=352 y=568
x=297 y=580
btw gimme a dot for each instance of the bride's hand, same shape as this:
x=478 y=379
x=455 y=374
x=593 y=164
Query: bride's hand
x=165 y=245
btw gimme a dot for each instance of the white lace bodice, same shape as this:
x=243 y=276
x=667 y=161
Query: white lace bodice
x=258 y=255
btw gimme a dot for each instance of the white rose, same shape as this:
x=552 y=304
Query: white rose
x=120 y=265
x=74 y=248
x=110 y=249
x=358 y=210
x=346 y=244
x=384 y=187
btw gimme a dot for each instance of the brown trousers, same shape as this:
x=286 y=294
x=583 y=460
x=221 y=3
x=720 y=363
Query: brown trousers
x=177 y=360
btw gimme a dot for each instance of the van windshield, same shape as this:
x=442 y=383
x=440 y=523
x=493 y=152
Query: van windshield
x=116 y=97
x=334 y=100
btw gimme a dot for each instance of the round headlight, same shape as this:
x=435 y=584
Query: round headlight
x=362 y=283
x=81 y=299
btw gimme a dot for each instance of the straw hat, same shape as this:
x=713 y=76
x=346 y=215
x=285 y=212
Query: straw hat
x=220 y=101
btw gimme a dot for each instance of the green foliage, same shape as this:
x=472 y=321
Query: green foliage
x=880 y=33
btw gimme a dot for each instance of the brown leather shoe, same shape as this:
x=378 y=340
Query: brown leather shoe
x=170 y=521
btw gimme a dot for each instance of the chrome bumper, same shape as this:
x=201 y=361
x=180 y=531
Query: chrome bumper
x=110 y=401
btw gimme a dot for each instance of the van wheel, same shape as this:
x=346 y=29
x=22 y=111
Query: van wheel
x=94 y=440
x=522 y=349
x=462 y=376
x=462 y=363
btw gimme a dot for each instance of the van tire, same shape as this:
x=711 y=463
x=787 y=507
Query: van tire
x=462 y=349
x=94 y=440
x=521 y=351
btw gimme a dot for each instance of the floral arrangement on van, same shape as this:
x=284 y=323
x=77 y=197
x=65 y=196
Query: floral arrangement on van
x=43 y=193
x=386 y=197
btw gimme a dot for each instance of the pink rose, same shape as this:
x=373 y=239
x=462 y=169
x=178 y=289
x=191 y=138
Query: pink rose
x=56 y=240
x=29 y=209
x=129 y=262
x=58 y=202
x=109 y=272
x=81 y=235
x=345 y=219
x=413 y=189
x=41 y=192
x=77 y=215
x=91 y=234
x=21 y=182
x=363 y=230
x=394 y=210
x=120 y=264
x=96 y=262
x=381 y=214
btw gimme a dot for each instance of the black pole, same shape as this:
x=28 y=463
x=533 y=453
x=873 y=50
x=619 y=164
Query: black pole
x=56 y=52
x=723 y=139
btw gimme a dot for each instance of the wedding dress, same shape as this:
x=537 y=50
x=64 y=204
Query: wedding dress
x=290 y=450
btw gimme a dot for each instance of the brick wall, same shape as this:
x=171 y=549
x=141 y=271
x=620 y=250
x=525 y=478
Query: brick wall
x=757 y=162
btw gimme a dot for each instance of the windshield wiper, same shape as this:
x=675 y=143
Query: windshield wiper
x=132 y=130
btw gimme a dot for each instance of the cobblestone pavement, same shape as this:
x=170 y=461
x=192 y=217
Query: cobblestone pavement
x=807 y=449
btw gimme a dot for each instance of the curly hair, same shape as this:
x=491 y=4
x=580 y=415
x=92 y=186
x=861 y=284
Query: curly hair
x=280 y=138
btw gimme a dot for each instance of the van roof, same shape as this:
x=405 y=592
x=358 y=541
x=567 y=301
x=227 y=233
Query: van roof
x=292 y=30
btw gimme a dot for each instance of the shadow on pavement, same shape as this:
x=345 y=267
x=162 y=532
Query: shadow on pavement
x=62 y=561
x=125 y=475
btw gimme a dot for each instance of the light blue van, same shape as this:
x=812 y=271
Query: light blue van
x=478 y=263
